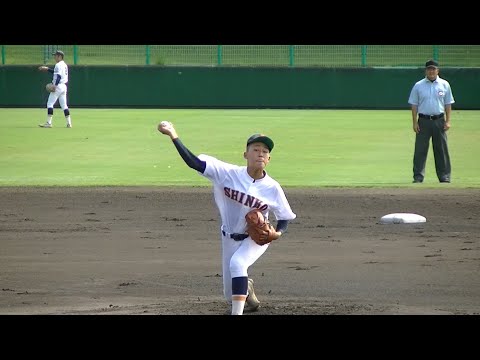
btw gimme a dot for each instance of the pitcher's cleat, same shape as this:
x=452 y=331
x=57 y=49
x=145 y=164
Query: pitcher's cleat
x=46 y=125
x=252 y=300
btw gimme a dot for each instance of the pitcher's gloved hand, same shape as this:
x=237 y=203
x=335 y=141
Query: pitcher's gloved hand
x=259 y=228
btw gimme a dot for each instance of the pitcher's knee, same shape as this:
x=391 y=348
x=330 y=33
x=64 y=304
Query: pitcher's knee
x=66 y=112
x=238 y=268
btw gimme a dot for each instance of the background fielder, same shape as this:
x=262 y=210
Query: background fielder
x=60 y=81
x=237 y=190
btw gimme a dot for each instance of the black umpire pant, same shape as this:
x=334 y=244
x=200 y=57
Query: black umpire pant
x=431 y=129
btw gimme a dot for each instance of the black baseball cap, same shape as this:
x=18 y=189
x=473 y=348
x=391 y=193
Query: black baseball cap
x=264 y=139
x=431 y=63
x=59 y=52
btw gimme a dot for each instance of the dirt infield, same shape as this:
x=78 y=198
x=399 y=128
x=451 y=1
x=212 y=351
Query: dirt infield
x=157 y=251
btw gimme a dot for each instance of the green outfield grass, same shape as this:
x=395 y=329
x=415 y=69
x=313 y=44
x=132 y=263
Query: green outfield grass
x=313 y=148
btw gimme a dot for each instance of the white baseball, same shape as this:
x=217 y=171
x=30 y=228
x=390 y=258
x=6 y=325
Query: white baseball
x=165 y=123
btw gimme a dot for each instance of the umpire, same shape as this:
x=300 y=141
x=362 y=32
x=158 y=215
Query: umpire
x=431 y=100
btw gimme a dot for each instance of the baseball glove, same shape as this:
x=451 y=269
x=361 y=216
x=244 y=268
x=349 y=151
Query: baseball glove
x=50 y=87
x=259 y=228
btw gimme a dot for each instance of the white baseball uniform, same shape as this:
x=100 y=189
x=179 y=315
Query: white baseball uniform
x=60 y=80
x=236 y=193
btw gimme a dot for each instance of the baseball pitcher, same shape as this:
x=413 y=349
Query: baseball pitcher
x=244 y=195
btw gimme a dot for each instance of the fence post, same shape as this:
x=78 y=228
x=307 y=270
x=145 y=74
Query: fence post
x=364 y=55
x=3 y=54
x=219 y=55
x=75 y=54
x=291 y=51
x=147 y=54
x=435 y=52
x=46 y=50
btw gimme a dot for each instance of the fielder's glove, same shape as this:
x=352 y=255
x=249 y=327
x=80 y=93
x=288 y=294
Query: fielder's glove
x=259 y=228
x=50 y=87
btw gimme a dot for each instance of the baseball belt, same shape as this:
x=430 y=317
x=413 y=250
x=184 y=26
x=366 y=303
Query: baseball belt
x=430 y=117
x=236 y=237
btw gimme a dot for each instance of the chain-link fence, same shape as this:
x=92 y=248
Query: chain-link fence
x=247 y=55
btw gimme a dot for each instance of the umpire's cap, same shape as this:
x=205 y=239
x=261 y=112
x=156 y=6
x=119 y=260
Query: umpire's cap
x=261 y=138
x=431 y=63
x=59 y=52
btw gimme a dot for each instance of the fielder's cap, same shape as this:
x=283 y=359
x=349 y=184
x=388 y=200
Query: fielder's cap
x=59 y=52
x=431 y=63
x=264 y=139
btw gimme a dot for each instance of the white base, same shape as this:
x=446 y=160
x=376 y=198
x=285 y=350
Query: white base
x=402 y=218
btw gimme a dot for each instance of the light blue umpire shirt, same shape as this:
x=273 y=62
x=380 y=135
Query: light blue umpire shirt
x=431 y=96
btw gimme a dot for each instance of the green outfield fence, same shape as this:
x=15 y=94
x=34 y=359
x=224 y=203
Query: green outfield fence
x=247 y=55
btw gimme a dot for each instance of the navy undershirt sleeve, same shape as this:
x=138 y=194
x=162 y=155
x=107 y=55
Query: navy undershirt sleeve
x=190 y=159
x=282 y=226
